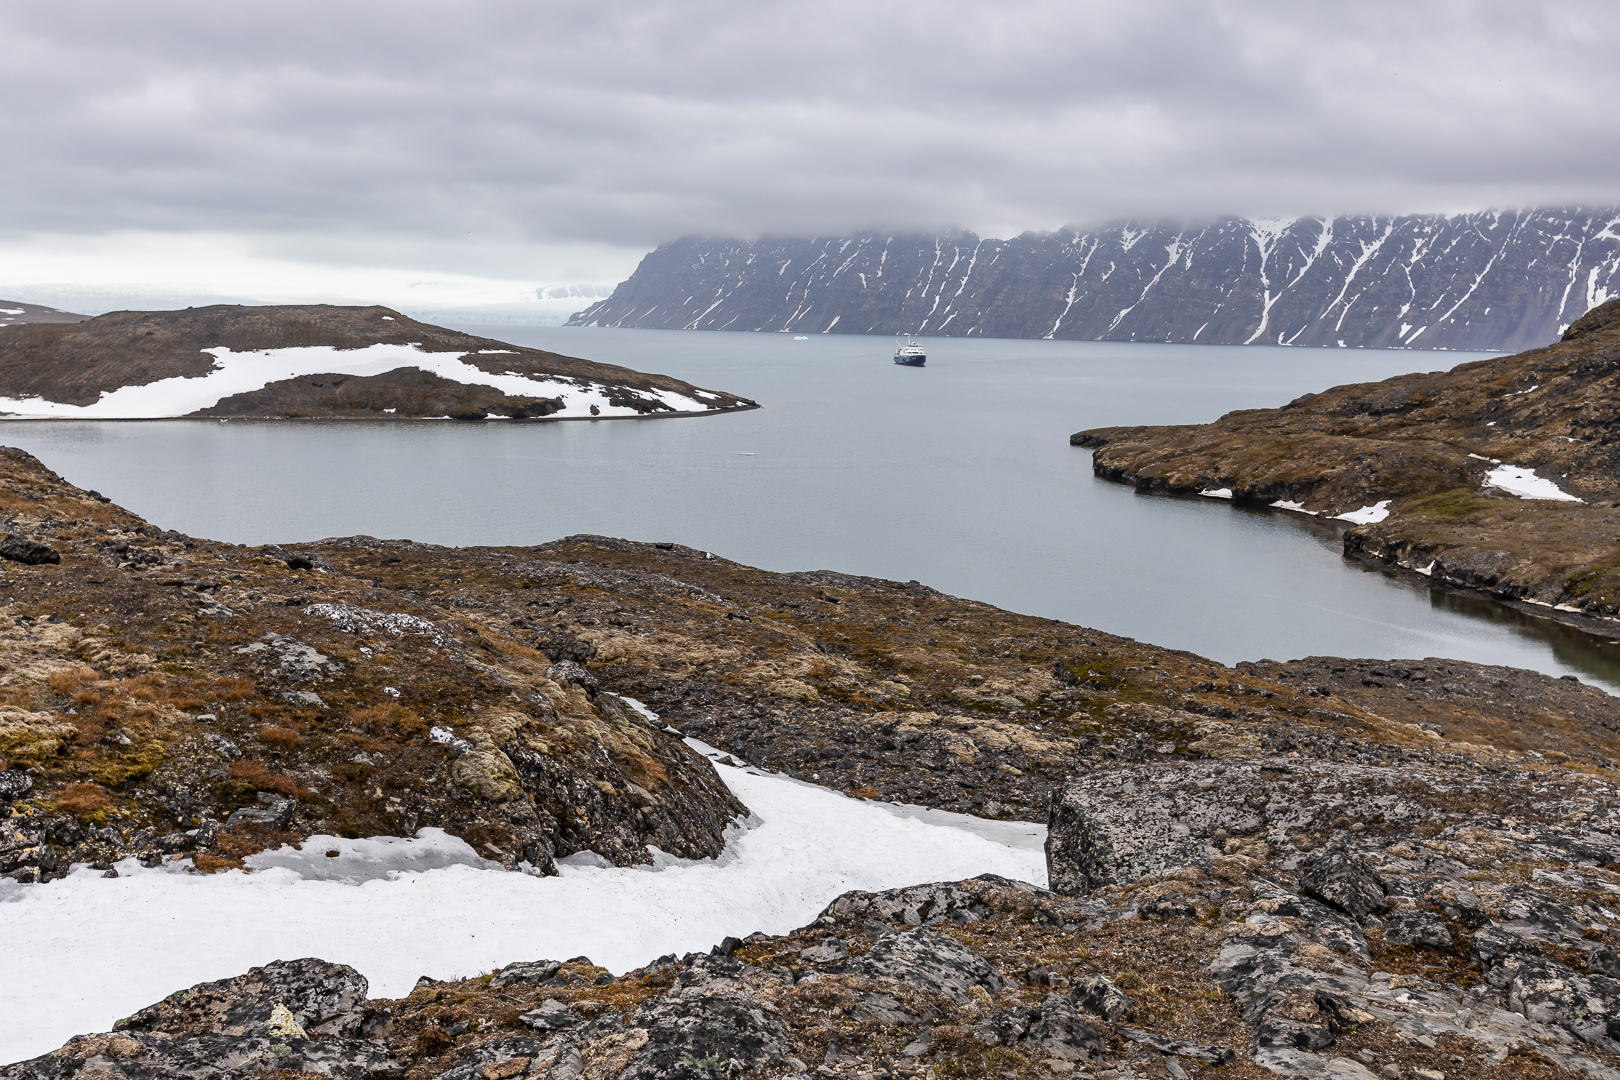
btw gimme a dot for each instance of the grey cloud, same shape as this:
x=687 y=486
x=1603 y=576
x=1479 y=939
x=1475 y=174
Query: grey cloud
x=513 y=123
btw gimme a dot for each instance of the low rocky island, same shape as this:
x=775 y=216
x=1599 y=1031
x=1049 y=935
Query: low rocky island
x=313 y=361
x=1327 y=867
x=1500 y=475
x=17 y=313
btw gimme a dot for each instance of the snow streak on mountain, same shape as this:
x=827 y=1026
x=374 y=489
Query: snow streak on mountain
x=1493 y=280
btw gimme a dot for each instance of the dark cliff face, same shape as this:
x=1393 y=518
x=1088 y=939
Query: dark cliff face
x=1489 y=280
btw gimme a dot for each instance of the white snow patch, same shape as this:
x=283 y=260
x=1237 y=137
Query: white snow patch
x=1367 y=515
x=11 y=311
x=640 y=707
x=1217 y=493
x=1426 y=571
x=238 y=373
x=1524 y=483
x=1297 y=507
x=1492 y=460
x=376 y=858
x=445 y=737
x=85 y=950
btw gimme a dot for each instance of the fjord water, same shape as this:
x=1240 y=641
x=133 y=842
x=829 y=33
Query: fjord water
x=958 y=475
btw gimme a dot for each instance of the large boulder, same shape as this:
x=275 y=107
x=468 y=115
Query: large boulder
x=319 y=997
x=1345 y=881
x=1117 y=827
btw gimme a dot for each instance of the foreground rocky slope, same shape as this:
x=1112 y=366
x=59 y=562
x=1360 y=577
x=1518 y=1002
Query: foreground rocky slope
x=1327 y=867
x=313 y=361
x=1491 y=280
x=1442 y=454
x=1241 y=917
x=172 y=696
x=177 y=698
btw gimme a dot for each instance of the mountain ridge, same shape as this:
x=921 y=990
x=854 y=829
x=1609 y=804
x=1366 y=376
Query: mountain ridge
x=1490 y=280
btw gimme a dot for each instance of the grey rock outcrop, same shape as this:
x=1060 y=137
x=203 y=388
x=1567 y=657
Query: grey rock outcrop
x=14 y=784
x=297 y=1015
x=932 y=961
x=1345 y=882
x=320 y=998
x=1301 y=955
x=1118 y=826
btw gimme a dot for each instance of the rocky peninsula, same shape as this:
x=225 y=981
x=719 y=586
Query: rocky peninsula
x=313 y=361
x=1500 y=475
x=1328 y=867
x=17 y=313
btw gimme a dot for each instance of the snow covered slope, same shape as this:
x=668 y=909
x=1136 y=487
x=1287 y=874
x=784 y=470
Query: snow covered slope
x=85 y=951
x=1488 y=280
x=312 y=360
x=241 y=373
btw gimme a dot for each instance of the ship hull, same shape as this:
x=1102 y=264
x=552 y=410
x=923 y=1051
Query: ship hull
x=911 y=361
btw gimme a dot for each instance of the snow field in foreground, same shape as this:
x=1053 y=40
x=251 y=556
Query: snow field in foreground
x=241 y=372
x=86 y=950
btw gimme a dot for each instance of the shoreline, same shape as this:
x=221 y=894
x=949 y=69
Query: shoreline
x=1596 y=626
x=5 y=419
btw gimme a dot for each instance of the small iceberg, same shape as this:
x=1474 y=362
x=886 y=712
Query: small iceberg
x=801 y=337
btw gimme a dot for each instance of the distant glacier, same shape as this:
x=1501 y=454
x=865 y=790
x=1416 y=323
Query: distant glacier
x=1489 y=280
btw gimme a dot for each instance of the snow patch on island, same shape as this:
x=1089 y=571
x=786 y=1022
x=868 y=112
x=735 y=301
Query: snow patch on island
x=1297 y=507
x=85 y=950
x=243 y=372
x=1216 y=493
x=1367 y=515
x=1526 y=484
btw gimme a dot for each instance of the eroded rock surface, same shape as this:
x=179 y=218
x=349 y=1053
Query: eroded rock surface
x=1363 y=891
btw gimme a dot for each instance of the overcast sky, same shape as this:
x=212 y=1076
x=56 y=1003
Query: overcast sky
x=473 y=150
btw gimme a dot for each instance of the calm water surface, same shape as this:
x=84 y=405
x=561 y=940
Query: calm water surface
x=958 y=475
